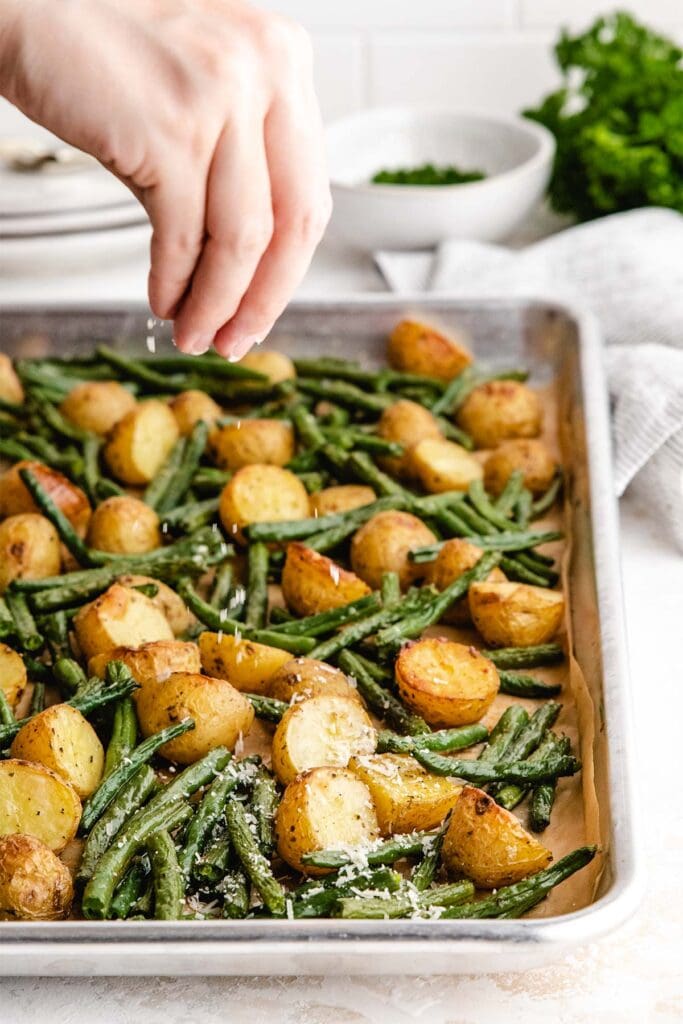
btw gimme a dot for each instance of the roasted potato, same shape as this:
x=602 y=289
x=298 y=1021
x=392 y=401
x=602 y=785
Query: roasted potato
x=487 y=844
x=407 y=423
x=448 y=683
x=301 y=678
x=140 y=442
x=325 y=808
x=405 y=795
x=150 y=663
x=313 y=583
x=11 y=389
x=13 y=676
x=247 y=665
x=275 y=365
x=15 y=499
x=62 y=739
x=499 y=410
x=120 y=617
x=456 y=557
x=35 y=801
x=258 y=494
x=515 y=614
x=29 y=549
x=189 y=407
x=419 y=348
x=343 y=498
x=97 y=405
x=528 y=455
x=125 y=526
x=319 y=731
x=383 y=545
x=221 y=714
x=442 y=465
x=34 y=884
x=179 y=616
x=248 y=442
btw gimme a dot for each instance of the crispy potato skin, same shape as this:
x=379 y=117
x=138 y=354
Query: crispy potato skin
x=248 y=442
x=166 y=600
x=441 y=465
x=300 y=678
x=34 y=884
x=405 y=795
x=320 y=731
x=456 y=557
x=140 y=442
x=29 y=549
x=125 y=526
x=13 y=676
x=487 y=843
x=515 y=614
x=448 y=683
x=35 y=801
x=189 y=407
x=528 y=455
x=499 y=410
x=15 y=499
x=62 y=739
x=343 y=498
x=97 y=405
x=313 y=583
x=120 y=617
x=10 y=386
x=221 y=714
x=407 y=423
x=258 y=494
x=324 y=808
x=275 y=365
x=150 y=663
x=247 y=665
x=383 y=544
x=418 y=348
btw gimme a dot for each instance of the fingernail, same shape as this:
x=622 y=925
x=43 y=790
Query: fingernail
x=240 y=347
x=195 y=344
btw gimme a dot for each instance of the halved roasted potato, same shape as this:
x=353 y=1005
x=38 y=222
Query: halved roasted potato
x=301 y=678
x=97 y=405
x=124 y=525
x=29 y=549
x=515 y=614
x=62 y=739
x=34 y=884
x=313 y=583
x=456 y=557
x=342 y=498
x=448 y=683
x=275 y=365
x=442 y=465
x=325 y=808
x=141 y=441
x=487 y=844
x=13 y=676
x=528 y=455
x=247 y=665
x=406 y=423
x=498 y=410
x=150 y=663
x=252 y=441
x=258 y=494
x=418 y=348
x=405 y=795
x=70 y=499
x=179 y=616
x=319 y=731
x=120 y=617
x=11 y=389
x=35 y=801
x=383 y=545
x=189 y=407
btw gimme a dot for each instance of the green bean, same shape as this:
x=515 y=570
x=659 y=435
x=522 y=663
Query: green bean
x=7 y=716
x=358 y=631
x=492 y=542
x=127 y=801
x=68 y=675
x=314 y=481
x=543 y=796
x=191 y=517
x=208 y=478
x=222 y=583
x=391 y=588
x=514 y=569
x=300 y=529
x=55 y=629
x=460 y=387
x=235 y=890
x=264 y=801
x=138 y=371
x=344 y=393
x=445 y=740
x=256 y=610
x=60 y=424
x=210 y=364
x=425 y=870
x=177 y=486
x=508 y=496
x=524 y=657
x=480 y=773
x=540 y=745
x=526 y=686
x=411 y=903
x=68 y=535
x=155 y=491
x=37 y=700
x=254 y=863
x=213 y=865
x=380 y=673
x=267 y=708
x=321 y=897
x=210 y=811
x=92 y=445
x=326 y=622
x=547 y=500
x=361 y=466
x=167 y=877
x=381 y=700
x=523 y=509
x=6 y=620
x=504 y=732
x=128 y=891
x=25 y=629
x=454 y=433
x=15 y=451
x=486 y=508
x=124 y=733
x=409 y=844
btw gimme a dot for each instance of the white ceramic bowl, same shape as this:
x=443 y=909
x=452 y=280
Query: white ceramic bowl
x=515 y=154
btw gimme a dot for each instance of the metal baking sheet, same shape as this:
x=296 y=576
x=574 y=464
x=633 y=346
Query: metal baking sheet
x=556 y=342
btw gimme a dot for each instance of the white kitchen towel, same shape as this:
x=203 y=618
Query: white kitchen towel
x=628 y=269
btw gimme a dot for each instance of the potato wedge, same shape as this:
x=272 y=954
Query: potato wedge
x=325 y=808
x=15 y=499
x=29 y=549
x=13 y=676
x=179 y=616
x=120 y=617
x=275 y=365
x=530 y=456
x=258 y=494
x=442 y=465
x=140 y=442
x=35 y=801
x=189 y=407
x=456 y=557
x=499 y=410
x=11 y=388
x=34 y=884
x=97 y=405
x=418 y=348
x=124 y=525
x=150 y=663
x=407 y=423
x=62 y=739
x=515 y=614
x=383 y=545
x=313 y=583
x=448 y=683
x=252 y=441
x=247 y=665
x=301 y=678
x=405 y=795
x=321 y=731
x=343 y=498
x=487 y=844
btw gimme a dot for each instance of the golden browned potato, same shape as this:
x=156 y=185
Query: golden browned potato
x=258 y=494
x=13 y=677
x=247 y=665
x=275 y=365
x=141 y=441
x=125 y=526
x=325 y=808
x=515 y=614
x=407 y=423
x=220 y=712
x=405 y=795
x=301 y=678
x=34 y=884
x=343 y=498
x=487 y=843
x=383 y=545
x=499 y=410
x=442 y=465
x=150 y=663
x=120 y=617
x=313 y=583
x=62 y=739
x=448 y=683
x=322 y=730
x=15 y=499
x=189 y=407
x=248 y=442
x=529 y=456
x=179 y=616
x=97 y=405
x=35 y=801
x=419 y=348
x=29 y=549
x=456 y=557
x=11 y=389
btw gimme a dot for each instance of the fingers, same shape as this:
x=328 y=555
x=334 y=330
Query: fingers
x=176 y=211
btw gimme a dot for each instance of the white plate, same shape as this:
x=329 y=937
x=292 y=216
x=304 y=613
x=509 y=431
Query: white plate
x=56 y=189
x=96 y=219
x=73 y=252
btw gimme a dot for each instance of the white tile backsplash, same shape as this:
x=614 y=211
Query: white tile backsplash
x=340 y=73
x=398 y=14
x=579 y=14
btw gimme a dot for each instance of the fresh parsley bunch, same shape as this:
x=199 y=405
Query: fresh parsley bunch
x=618 y=120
